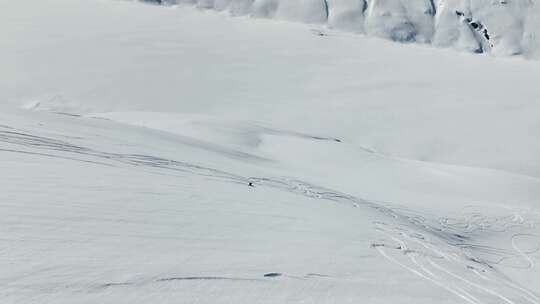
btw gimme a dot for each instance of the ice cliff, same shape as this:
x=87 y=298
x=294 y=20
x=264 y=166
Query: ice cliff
x=499 y=27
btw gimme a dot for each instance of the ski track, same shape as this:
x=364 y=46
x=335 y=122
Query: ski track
x=447 y=252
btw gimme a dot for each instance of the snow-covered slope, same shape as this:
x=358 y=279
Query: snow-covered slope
x=173 y=155
x=500 y=27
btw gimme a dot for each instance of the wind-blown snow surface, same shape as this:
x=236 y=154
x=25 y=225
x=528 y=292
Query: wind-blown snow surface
x=500 y=27
x=380 y=173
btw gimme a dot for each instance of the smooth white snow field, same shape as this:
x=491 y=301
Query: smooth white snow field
x=153 y=154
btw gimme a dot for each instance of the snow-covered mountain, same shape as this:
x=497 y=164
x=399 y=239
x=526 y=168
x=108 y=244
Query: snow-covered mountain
x=500 y=27
x=153 y=154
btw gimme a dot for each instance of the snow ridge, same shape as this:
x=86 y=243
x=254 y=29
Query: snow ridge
x=498 y=27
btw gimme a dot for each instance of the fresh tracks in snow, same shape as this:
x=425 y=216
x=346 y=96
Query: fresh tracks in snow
x=452 y=253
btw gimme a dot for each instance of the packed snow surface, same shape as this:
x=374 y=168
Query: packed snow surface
x=155 y=154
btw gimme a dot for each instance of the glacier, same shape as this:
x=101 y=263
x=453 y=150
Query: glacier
x=499 y=27
x=173 y=154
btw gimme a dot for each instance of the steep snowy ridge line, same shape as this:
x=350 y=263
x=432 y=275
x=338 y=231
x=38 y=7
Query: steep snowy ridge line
x=503 y=28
